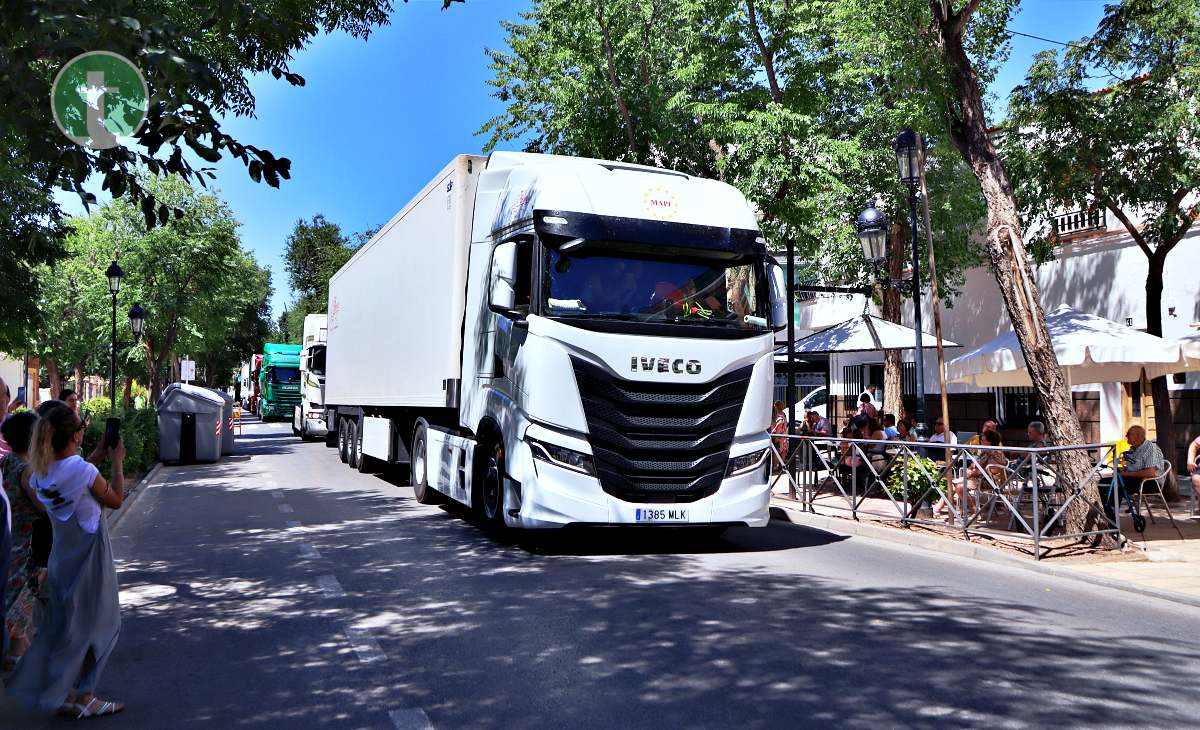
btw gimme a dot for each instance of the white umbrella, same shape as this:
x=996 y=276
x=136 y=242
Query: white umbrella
x=864 y=333
x=1090 y=349
x=1191 y=348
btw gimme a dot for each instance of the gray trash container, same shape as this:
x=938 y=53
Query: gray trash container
x=190 y=424
x=226 y=422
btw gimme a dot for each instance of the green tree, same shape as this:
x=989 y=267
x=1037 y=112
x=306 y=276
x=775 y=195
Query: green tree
x=314 y=252
x=190 y=275
x=1129 y=148
x=198 y=59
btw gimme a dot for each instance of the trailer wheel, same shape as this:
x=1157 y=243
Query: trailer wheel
x=352 y=442
x=331 y=438
x=343 y=447
x=419 y=471
x=366 y=464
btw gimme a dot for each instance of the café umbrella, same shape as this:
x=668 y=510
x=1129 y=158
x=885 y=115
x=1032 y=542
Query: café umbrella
x=1089 y=349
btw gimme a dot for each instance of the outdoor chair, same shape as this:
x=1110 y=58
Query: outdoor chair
x=1154 y=488
x=1050 y=494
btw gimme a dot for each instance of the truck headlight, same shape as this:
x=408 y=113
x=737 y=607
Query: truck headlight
x=746 y=462
x=564 y=457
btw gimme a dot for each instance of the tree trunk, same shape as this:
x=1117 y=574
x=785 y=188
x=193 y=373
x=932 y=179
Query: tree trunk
x=55 y=377
x=79 y=380
x=615 y=82
x=1014 y=276
x=128 y=391
x=1164 y=420
x=893 y=368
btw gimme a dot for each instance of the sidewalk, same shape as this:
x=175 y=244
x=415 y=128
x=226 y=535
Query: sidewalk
x=1161 y=562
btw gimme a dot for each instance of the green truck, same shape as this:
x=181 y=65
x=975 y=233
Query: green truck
x=279 y=381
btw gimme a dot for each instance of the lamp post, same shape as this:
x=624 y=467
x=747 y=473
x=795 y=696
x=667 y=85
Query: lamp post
x=114 y=274
x=906 y=145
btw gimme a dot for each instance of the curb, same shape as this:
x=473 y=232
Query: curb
x=964 y=549
x=112 y=519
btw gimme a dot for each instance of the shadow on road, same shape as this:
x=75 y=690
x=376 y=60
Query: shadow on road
x=612 y=629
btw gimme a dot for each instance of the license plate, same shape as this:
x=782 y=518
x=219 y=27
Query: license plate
x=661 y=514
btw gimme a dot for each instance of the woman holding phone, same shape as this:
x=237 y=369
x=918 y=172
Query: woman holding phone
x=83 y=616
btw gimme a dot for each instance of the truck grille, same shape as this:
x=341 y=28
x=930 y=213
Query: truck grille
x=660 y=442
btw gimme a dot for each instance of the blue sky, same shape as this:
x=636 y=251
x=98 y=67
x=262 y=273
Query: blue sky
x=377 y=119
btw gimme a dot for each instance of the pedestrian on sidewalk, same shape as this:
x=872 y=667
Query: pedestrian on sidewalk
x=24 y=512
x=83 y=614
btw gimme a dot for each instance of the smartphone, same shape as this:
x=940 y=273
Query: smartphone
x=112 y=432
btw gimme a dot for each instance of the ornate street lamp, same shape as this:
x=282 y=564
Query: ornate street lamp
x=114 y=274
x=872 y=227
x=137 y=320
x=907 y=145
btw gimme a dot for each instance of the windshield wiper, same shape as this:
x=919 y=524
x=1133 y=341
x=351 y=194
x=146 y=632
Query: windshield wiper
x=599 y=315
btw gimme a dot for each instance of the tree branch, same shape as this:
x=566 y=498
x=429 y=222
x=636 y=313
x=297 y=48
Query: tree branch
x=768 y=59
x=630 y=133
x=1129 y=226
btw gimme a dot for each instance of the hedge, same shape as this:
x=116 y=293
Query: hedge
x=139 y=431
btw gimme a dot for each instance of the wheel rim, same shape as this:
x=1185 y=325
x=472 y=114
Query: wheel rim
x=418 y=464
x=492 y=491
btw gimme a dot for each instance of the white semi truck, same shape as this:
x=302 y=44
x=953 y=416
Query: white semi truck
x=555 y=341
x=308 y=418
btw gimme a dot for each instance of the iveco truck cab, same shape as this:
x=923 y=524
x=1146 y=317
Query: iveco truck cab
x=558 y=341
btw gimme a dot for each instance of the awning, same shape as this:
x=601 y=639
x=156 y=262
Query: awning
x=864 y=333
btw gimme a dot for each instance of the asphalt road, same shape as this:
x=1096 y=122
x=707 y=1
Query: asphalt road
x=282 y=589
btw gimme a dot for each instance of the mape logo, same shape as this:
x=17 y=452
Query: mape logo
x=99 y=96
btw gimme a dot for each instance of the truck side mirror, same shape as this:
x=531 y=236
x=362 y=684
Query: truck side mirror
x=502 y=297
x=777 y=282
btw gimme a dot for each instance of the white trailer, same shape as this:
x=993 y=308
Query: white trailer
x=556 y=341
x=308 y=417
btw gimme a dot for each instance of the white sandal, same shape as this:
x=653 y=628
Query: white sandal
x=106 y=708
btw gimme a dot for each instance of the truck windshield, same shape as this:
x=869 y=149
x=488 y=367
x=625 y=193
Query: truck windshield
x=285 y=375
x=317 y=363
x=605 y=284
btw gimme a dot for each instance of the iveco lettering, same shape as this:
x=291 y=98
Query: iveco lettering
x=555 y=341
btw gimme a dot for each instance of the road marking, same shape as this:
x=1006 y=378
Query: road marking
x=277 y=494
x=411 y=718
x=285 y=508
x=330 y=587
x=364 y=645
x=309 y=552
x=293 y=523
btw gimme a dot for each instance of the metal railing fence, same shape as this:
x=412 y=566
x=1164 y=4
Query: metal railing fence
x=976 y=484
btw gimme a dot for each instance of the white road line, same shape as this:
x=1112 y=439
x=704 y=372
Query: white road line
x=364 y=645
x=330 y=587
x=309 y=552
x=277 y=494
x=410 y=718
x=293 y=523
x=285 y=508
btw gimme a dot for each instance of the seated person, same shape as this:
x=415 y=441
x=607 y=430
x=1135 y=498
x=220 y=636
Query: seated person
x=1036 y=433
x=993 y=462
x=1193 y=464
x=940 y=436
x=1143 y=460
x=890 y=432
x=988 y=425
x=815 y=425
x=866 y=407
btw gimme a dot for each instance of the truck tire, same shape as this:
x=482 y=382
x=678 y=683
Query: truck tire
x=343 y=447
x=331 y=438
x=352 y=442
x=419 y=470
x=490 y=486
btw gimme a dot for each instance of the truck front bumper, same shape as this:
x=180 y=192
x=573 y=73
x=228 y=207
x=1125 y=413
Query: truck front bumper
x=314 y=423
x=552 y=496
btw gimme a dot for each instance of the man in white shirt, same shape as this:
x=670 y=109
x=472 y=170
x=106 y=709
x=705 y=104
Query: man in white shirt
x=941 y=436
